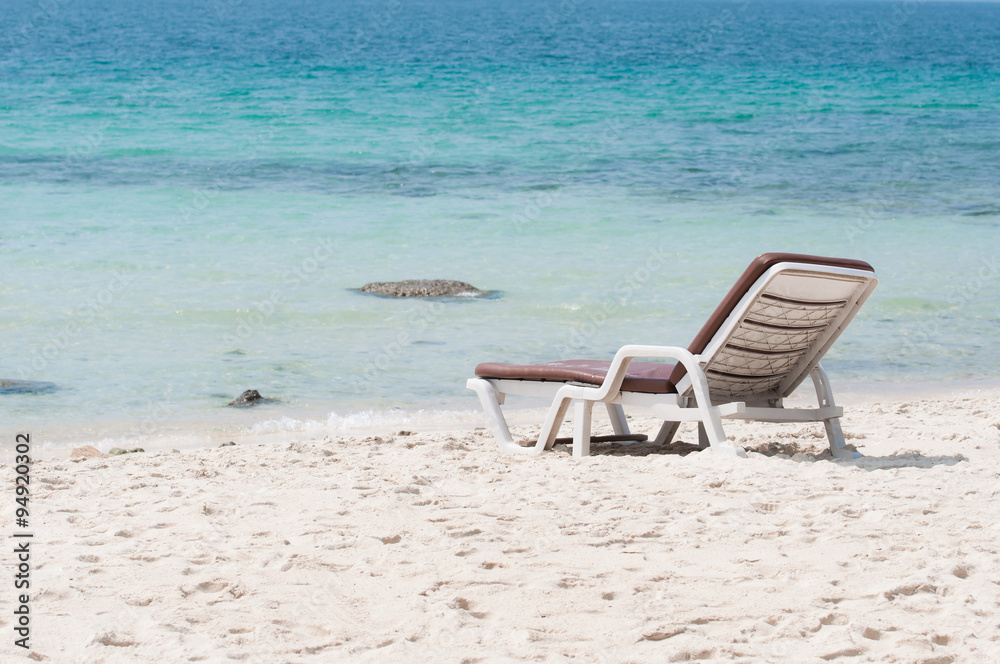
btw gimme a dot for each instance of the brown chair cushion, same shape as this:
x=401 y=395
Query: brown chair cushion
x=649 y=377
x=754 y=271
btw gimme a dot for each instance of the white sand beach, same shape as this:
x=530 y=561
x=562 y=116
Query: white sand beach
x=438 y=547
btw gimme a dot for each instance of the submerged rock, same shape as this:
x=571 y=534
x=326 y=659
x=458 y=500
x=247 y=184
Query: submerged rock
x=25 y=387
x=248 y=398
x=423 y=288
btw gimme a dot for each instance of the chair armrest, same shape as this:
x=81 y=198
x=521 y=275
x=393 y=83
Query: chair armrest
x=619 y=365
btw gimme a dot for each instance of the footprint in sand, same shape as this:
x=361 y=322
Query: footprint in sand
x=205 y=587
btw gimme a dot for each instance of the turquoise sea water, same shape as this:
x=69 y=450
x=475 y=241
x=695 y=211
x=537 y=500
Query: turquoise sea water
x=188 y=191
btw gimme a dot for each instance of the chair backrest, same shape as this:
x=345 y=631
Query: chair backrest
x=776 y=323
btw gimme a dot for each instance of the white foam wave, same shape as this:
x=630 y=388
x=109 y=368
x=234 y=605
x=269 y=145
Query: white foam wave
x=369 y=421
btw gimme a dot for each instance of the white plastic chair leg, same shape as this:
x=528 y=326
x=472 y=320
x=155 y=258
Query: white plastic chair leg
x=617 y=416
x=582 y=415
x=824 y=395
x=553 y=420
x=490 y=400
x=836 y=437
x=711 y=420
x=703 y=441
x=666 y=433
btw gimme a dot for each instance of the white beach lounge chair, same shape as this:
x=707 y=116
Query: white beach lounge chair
x=765 y=337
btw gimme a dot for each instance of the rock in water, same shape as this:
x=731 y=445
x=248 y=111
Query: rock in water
x=248 y=398
x=25 y=387
x=422 y=288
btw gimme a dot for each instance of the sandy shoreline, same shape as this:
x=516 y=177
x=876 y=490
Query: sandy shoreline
x=437 y=547
x=272 y=424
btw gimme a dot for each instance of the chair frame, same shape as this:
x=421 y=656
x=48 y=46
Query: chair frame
x=693 y=400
